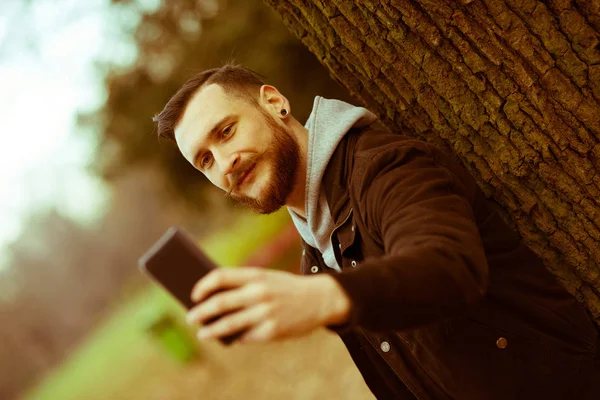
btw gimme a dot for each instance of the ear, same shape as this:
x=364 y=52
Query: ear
x=274 y=102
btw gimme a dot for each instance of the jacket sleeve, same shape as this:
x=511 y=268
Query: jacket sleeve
x=434 y=264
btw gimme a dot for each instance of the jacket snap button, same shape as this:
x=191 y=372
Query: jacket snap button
x=352 y=228
x=501 y=343
x=385 y=347
x=314 y=269
x=353 y=263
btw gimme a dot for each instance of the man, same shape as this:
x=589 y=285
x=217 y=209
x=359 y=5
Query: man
x=431 y=292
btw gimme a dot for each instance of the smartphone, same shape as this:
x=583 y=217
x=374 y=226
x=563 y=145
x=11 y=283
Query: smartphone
x=176 y=263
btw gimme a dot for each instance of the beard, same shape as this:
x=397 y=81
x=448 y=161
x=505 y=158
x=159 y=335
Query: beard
x=283 y=156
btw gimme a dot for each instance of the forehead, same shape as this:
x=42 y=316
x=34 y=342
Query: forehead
x=207 y=106
x=201 y=109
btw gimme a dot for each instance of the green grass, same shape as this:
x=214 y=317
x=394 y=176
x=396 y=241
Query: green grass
x=118 y=350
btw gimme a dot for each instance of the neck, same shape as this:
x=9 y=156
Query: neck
x=297 y=199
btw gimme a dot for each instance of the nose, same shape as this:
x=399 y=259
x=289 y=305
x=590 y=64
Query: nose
x=227 y=163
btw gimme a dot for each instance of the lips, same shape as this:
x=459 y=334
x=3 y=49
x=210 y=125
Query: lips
x=246 y=175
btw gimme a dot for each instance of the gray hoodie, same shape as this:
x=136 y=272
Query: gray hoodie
x=327 y=124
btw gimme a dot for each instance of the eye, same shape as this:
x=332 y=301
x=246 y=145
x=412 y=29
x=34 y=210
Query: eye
x=228 y=131
x=205 y=160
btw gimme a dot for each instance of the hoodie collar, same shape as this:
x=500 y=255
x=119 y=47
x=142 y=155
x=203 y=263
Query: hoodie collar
x=329 y=122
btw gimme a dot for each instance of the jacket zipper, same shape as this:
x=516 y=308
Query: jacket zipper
x=336 y=228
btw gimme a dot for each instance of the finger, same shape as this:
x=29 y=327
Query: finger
x=235 y=322
x=223 y=302
x=222 y=278
x=261 y=333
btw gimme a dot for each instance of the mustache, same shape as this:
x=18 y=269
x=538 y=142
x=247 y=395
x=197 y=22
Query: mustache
x=236 y=176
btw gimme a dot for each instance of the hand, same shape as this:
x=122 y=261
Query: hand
x=268 y=304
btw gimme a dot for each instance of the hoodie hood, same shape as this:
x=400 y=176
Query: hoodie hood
x=327 y=124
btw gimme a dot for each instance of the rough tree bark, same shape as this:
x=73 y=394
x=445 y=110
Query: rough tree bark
x=511 y=87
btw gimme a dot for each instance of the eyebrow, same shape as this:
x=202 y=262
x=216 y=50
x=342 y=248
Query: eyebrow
x=210 y=137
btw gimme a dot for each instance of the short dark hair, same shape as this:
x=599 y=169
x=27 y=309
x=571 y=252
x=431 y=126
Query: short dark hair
x=234 y=79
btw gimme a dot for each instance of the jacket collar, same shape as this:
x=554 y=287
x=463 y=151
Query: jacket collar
x=337 y=175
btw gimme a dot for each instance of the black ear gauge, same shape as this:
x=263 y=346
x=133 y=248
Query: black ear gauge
x=284 y=112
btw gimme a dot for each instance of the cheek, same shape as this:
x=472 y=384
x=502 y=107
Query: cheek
x=215 y=181
x=264 y=177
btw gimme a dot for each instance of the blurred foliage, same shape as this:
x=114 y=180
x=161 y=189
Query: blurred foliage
x=178 y=39
x=121 y=350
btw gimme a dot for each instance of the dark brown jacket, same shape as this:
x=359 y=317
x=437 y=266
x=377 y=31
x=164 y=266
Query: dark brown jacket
x=447 y=301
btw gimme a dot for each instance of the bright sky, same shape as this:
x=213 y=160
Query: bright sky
x=47 y=50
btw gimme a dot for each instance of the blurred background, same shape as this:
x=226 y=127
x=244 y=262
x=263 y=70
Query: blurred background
x=86 y=188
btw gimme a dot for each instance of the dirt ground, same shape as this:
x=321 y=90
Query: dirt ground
x=313 y=367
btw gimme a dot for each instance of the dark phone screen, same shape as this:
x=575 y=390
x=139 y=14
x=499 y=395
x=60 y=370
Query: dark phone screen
x=176 y=262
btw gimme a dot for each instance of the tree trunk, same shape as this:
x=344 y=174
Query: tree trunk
x=512 y=88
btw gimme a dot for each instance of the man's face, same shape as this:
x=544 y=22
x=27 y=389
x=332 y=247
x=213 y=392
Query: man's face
x=240 y=148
